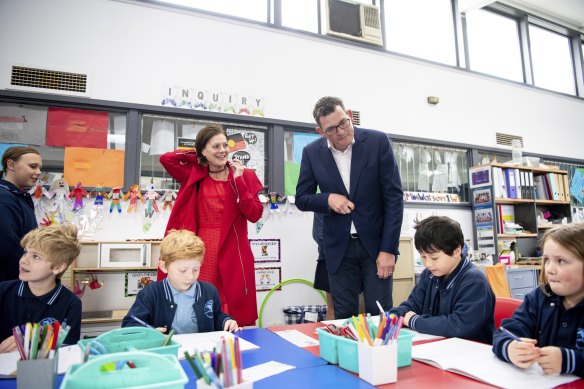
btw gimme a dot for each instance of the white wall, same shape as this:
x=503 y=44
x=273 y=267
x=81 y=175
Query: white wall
x=130 y=51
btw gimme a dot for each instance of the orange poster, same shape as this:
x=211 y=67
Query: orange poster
x=77 y=128
x=94 y=167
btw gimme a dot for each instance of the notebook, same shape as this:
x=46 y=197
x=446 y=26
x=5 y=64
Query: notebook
x=477 y=361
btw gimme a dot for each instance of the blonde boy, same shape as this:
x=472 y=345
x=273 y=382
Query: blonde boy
x=38 y=295
x=180 y=301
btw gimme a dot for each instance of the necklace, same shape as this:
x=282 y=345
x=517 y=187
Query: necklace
x=218 y=171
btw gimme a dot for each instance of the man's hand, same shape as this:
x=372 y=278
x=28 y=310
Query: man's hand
x=340 y=204
x=385 y=264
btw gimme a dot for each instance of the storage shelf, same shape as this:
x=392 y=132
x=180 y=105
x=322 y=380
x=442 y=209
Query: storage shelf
x=551 y=202
x=503 y=200
x=517 y=236
x=112 y=269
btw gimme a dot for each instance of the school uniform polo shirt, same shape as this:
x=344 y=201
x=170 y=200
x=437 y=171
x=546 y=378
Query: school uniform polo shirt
x=185 y=319
x=19 y=306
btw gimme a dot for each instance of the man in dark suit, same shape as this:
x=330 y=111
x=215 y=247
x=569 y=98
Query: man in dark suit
x=362 y=201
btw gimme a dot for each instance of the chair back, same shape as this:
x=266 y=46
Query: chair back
x=504 y=308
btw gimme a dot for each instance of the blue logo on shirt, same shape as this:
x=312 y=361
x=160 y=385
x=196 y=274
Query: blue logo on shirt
x=47 y=321
x=580 y=339
x=209 y=309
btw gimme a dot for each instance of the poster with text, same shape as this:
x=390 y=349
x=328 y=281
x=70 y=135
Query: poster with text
x=265 y=250
x=267 y=278
x=250 y=148
x=136 y=281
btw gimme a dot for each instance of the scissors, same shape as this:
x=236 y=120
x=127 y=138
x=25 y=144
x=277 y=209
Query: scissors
x=343 y=331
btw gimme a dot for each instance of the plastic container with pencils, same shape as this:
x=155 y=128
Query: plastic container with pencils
x=138 y=369
x=328 y=346
x=132 y=339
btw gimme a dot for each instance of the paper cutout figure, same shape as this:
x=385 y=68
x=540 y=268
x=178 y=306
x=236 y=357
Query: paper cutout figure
x=58 y=193
x=115 y=194
x=274 y=197
x=78 y=192
x=99 y=194
x=133 y=194
x=151 y=196
x=168 y=199
x=37 y=192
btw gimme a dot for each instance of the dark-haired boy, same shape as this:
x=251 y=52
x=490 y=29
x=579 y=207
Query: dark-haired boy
x=452 y=297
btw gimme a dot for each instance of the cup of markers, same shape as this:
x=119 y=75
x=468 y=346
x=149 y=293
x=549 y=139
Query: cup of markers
x=37 y=345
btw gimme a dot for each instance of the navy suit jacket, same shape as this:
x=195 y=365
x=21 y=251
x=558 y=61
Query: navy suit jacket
x=375 y=190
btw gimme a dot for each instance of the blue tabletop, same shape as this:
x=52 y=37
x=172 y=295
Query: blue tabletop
x=272 y=348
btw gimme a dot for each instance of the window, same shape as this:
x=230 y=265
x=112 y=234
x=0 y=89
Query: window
x=161 y=134
x=493 y=45
x=64 y=136
x=249 y=9
x=427 y=34
x=294 y=144
x=300 y=15
x=432 y=173
x=551 y=60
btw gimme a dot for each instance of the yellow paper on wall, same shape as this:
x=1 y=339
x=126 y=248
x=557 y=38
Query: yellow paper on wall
x=94 y=167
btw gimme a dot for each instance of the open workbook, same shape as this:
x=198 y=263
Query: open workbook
x=477 y=361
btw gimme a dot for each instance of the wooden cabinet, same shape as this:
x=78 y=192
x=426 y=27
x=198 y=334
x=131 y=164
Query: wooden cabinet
x=403 y=275
x=521 y=195
x=109 y=262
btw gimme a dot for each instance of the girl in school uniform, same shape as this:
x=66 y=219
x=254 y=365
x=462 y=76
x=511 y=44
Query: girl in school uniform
x=549 y=324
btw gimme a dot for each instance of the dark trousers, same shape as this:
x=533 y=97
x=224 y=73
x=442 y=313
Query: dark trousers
x=358 y=272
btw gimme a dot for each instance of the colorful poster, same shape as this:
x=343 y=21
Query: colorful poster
x=94 y=167
x=251 y=150
x=267 y=278
x=77 y=128
x=136 y=281
x=265 y=250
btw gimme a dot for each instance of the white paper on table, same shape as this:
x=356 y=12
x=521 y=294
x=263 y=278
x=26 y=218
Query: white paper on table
x=297 y=338
x=68 y=356
x=8 y=362
x=264 y=370
x=207 y=341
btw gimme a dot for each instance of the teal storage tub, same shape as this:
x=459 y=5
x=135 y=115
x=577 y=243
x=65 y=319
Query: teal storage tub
x=328 y=346
x=152 y=371
x=133 y=339
x=404 y=348
x=348 y=353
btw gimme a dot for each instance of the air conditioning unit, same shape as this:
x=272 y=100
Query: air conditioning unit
x=353 y=20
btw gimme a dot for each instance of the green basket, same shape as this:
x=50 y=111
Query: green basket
x=152 y=371
x=347 y=351
x=133 y=339
x=328 y=346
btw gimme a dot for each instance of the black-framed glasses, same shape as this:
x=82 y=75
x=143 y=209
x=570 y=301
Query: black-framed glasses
x=342 y=125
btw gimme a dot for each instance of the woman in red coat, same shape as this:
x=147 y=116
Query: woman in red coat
x=216 y=200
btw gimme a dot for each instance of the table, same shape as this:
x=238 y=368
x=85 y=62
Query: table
x=418 y=375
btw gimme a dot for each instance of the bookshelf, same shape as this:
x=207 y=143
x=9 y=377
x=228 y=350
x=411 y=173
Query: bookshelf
x=516 y=203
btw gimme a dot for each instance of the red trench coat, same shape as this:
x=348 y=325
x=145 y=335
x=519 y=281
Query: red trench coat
x=235 y=258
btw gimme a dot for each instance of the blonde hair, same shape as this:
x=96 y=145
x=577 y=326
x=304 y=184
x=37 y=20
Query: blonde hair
x=181 y=244
x=570 y=237
x=58 y=241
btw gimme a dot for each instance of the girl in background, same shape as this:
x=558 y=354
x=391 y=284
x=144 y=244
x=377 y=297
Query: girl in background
x=549 y=324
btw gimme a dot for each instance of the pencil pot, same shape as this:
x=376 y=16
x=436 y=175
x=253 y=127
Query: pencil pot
x=130 y=339
x=36 y=373
x=137 y=369
x=201 y=384
x=404 y=348
x=378 y=364
x=348 y=354
x=328 y=345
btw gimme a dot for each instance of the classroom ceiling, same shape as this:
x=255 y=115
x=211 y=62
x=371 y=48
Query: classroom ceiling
x=570 y=12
